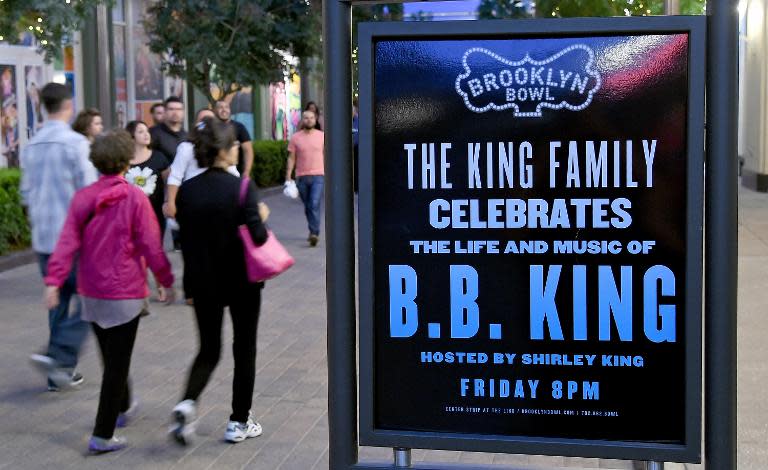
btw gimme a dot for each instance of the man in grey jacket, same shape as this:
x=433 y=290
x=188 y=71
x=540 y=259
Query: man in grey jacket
x=54 y=165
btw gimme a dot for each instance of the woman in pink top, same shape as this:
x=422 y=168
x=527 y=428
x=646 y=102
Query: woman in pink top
x=112 y=231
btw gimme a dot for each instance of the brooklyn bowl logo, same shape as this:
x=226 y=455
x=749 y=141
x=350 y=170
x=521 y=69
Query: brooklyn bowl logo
x=566 y=80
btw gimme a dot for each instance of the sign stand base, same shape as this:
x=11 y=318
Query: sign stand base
x=402 y=457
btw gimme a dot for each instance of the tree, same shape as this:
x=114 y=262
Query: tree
x=422 y=15
x=571 y=8
x=501 y=9
x=368 y=13
x=230 y=43
x=50 y=22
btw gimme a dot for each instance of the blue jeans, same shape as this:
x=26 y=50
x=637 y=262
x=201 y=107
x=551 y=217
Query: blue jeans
x=68 y=331
x=311 y=192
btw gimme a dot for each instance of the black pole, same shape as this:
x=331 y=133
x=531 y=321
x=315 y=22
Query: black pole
x=721 y=235
x=340 y=241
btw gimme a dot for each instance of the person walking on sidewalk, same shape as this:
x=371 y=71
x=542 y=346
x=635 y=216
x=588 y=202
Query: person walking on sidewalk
x=157 y=111
x=89 y=123
x=209 y=213
x=110 y=227
x=185 y=167
x=149 y=169
x=54 y=165
x=167 y=135
x=312 y=106
x=245 y=152
x=305 y=153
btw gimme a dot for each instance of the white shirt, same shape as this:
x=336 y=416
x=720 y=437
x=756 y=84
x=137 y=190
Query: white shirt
x=185 y=167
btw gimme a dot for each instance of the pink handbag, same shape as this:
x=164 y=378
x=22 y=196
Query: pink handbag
x=268 y=260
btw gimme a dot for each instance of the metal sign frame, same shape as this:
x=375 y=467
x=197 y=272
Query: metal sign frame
x=694 y=27
x=721 y=222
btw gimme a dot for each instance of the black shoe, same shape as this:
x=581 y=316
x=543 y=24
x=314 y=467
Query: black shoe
x=313 y=239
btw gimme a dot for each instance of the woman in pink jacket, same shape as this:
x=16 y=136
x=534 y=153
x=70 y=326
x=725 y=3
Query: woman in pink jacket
x=113 y=232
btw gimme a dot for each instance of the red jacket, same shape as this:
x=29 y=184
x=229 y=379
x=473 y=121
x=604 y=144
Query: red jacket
x=111 y=226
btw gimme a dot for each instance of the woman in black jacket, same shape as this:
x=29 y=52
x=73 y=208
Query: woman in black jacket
x=208 y=213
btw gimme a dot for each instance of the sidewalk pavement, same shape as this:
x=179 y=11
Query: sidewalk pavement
x=39 y=429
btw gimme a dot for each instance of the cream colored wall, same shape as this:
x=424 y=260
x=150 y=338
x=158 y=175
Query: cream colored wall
x=753 y=127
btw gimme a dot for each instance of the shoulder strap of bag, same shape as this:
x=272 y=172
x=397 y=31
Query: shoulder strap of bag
x=244 y=190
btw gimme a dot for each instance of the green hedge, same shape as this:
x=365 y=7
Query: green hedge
x=269 y=157
x=14 y=227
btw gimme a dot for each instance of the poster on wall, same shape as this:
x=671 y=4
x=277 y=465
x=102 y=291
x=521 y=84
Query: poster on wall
x=174 y=86
x=143 y=111
x=33 y=83
x=149 y=78
x=285 y=106
x=9 y=117
x=120 y=69
x=294 y=103
x=535 y=233
x=279 y=111
x=64 y=72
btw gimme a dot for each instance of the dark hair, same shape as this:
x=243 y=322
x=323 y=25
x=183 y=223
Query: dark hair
x=84 y=119
x=155 y=106
x=131 y=127
x=317 y=114
x=172 y=99
x=111 y=152
x=53 y=95
x=197 y=113
x=209 y=137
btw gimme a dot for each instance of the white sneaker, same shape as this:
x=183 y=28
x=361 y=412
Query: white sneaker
x=184 y=418
x=43 y=362
x=238 y=432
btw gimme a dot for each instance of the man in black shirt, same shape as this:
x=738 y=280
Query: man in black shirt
x=167 y=135
x=158 y=113
x=245 y=157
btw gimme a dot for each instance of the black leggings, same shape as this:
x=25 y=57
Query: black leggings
x=244 y=310
x=116 y=346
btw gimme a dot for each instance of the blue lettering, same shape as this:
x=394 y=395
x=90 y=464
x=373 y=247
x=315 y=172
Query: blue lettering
x=543 y=302
x=580 y=303
x=651 y=308
x=464 y=292
x=403 y=313
x=611 y=303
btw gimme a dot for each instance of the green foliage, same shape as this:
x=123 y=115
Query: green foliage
x=14 y=228
x=501 y=9
x=422 y=15
x=380 y=12
x=269 y=158
x=693 y=7
x=572 y=8
x=51 y=22
x=367 y=13
x=231 y=43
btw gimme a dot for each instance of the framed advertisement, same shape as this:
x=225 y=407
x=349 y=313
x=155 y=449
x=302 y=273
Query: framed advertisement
x=531 y=236
x=9 y=116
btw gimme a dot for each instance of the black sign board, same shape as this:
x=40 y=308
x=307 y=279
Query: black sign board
x=530 y=236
